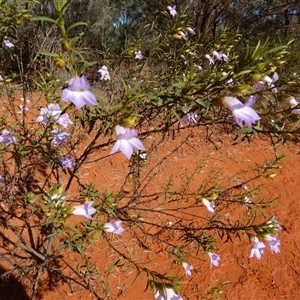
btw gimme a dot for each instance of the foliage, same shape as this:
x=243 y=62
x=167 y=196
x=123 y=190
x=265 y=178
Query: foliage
x=178 y=80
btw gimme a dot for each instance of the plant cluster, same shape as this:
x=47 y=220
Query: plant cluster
x=47 y=141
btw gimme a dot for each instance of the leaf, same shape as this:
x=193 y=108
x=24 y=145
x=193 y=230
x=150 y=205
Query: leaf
x=48 y=54
x=244 y=130
x=42 y=18
x=76 y=25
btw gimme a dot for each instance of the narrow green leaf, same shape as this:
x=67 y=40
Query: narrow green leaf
x=48 y=54
x=76 y=25
x=43 y=18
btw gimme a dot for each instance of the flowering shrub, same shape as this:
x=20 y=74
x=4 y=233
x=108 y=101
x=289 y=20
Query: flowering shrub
x=187 y=85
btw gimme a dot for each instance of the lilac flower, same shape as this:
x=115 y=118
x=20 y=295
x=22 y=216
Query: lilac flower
x=273 y=243
x=210 y=205
x=23 y=109
x=139 y=55
x=85 y=210
x=127 y=141
x=7 y=138
x=49 y=114
x=172 y=10
x=64 y=120
x=267 y=80
x=8 y=43
x=52 y=114
x=2 y=180
x=248 y=202
x=221 y=56
x=183 y=35
x=59 y=137
x=188 y=269
x=78 y=92
x=214 y=259
x=190 y=30
x=257 y=248
x=210 y=59
x=188 y=118
x=67 y=162
x=241 y=112
x=104 y=73
x=293 y=102
x=114 y=227
x=165 y=293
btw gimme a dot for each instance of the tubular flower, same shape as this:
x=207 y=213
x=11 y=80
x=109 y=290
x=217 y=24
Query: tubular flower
x=114 y=227
x=85 y=210
x=257 y=248
x=162 y=292
x=214 y=259
x=127 y=141
x=78 y=92
x=7 y=138
x=243 y=113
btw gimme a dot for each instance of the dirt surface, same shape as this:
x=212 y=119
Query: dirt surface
x=275 y=276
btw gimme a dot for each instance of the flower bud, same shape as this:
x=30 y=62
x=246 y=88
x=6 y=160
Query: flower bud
x=65 y=46
x=59 y=62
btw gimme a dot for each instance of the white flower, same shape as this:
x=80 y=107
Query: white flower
x=104 y=73
x=165 y=293
x=114 y=227
x=210 y=205
x=139 y=55
x=257 y=248
x=188 y=268
x=85 y=210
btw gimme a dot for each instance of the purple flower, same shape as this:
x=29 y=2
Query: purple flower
x=85 y=210
x=257 y=248
x=7 y=138
x=188 y=118
x=114 y=227
x=78 y=93
x=23 y=109
x=104 y=73
x=214 y=259
x=293 y=102
x=210 y=205
x=243 y=113
x=139 y=55
x=8 y=43
x=190 y=31
x=273 y=243
x=67 y=162
x=52 y=114
x=267 y=80
x=59 y=137
x=172 y=10
x=2 y=180
x=127 y=141
x=64 y=120
x=165 y=293
x=188 y=269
